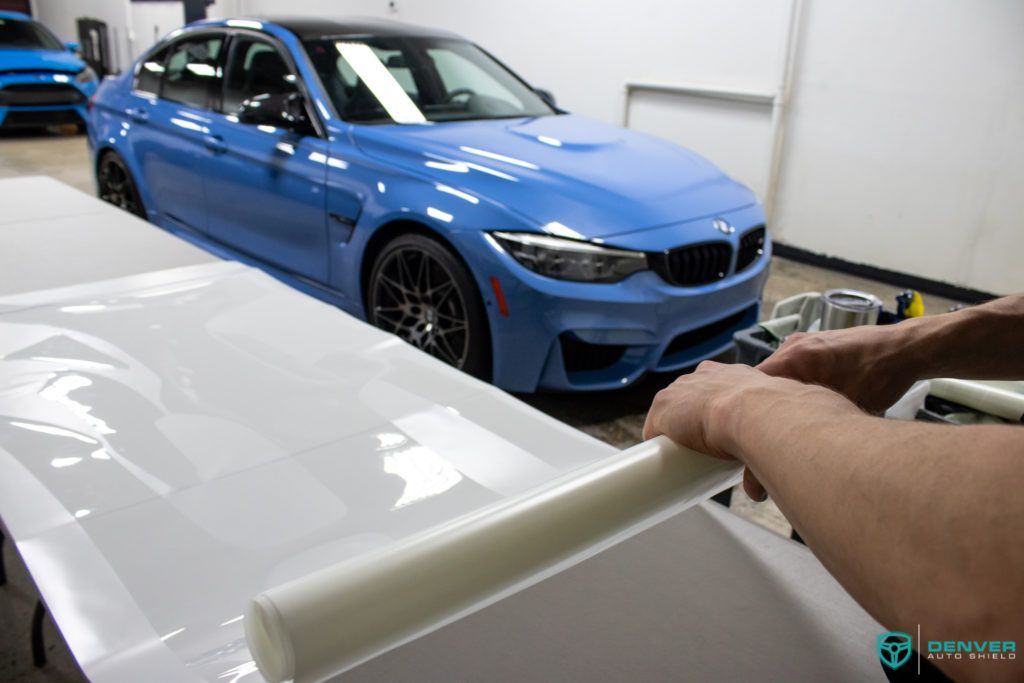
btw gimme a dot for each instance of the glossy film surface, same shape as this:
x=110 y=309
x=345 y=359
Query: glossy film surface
x=175 y=443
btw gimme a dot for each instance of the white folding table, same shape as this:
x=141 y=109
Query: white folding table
x=705 y=596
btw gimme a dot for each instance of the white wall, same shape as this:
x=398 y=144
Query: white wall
x=151 y=21
x=905 y=145
x=61 y=17
x=131 y=26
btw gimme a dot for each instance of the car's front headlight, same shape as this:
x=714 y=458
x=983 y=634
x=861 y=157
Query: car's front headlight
x=566 y=259
x=86 y=75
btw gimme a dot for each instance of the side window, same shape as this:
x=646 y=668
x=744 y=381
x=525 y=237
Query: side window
x=150 y=72
x=256 y=68
x=191 y=73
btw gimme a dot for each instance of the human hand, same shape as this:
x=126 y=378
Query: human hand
x=865 y=363
x=707 y=409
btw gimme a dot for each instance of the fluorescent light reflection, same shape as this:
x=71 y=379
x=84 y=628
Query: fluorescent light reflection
x=443 y=164
x=389 y=440
x=245 y=23
x=457 y=193
x=499 y=157
x=237 y=673
x=64 y=462
x=76 y=362
x=201 y=70
x=59 y=391
x=439 y=214
x=425 y=473
x=188 y=125
x=53 y=431
x=382 y=84
x=556 y=228
x=83 y=308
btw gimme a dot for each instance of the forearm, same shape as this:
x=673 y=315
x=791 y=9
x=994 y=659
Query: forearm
x=982 y=342
x=922 y=524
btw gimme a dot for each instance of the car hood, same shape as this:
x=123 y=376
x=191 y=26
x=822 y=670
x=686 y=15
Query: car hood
x=40 y=60
x=570 y=174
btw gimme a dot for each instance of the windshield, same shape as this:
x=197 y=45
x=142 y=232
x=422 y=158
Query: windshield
x=414 y=80
x=26 y=35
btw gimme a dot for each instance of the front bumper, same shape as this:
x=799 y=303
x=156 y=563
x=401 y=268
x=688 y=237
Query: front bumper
x=562 y=335
x=30 y=100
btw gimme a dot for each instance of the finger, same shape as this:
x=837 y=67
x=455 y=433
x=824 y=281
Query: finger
x=649 y=431
x=708 y=365
x=752 y=487
x=778 y=369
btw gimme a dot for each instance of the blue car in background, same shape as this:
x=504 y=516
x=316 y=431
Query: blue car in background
x=408 y=177
x=42 y=82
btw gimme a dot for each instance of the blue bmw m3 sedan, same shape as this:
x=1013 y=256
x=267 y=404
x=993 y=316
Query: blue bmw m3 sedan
x=408 y=177
x=42 y=82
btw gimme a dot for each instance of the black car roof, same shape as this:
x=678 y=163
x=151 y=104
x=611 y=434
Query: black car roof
x=308 y=28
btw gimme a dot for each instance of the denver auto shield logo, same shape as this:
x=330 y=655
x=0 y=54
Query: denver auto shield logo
x=894 y=648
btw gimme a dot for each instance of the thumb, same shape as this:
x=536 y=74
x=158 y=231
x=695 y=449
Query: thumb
x=752 y=487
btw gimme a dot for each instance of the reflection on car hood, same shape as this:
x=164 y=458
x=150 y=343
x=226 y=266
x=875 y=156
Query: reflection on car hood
x=39 y=60
x=592 y=178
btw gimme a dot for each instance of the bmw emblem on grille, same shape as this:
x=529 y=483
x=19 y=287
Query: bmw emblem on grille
x=723 y=226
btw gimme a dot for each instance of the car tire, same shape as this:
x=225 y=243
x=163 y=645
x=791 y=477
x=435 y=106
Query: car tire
x=115 y=184
x=421 y=291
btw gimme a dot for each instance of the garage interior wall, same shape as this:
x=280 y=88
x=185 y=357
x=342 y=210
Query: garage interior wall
x=61 y=16
x=151 y=21
x=904 y=142
x=131 y=26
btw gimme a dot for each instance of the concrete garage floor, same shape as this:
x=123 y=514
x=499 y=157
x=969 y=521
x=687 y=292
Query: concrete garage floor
x=615 y=417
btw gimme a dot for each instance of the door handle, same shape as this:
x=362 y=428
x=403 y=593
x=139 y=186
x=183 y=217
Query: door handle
x=215 y=144
x=138 y=115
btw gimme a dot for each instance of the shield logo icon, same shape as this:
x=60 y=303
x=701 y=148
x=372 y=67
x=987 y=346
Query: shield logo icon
x=894 y=648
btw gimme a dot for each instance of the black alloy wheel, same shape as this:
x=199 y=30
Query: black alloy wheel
x=421 y=292
x=116 y=185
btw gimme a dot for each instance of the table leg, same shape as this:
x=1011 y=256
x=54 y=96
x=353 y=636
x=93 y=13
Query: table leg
x=3 y=568
x=38 y=646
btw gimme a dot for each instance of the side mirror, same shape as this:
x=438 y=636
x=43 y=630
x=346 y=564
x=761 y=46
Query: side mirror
x=284 y=110
x=73 y=46
x=546 y=95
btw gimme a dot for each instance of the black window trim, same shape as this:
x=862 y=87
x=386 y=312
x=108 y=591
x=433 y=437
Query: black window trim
x=289 y=60
x=229 y=34
x=142 y=60
x=171 y=44
x=193 y=35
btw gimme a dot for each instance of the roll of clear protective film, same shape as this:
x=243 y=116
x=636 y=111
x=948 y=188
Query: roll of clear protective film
x=1002 y=399
x=325 y=623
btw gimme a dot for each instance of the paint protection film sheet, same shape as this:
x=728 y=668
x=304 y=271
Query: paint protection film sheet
x=175 y=444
